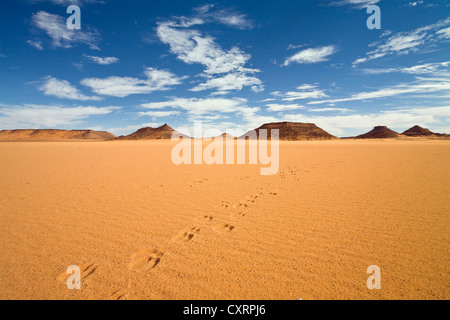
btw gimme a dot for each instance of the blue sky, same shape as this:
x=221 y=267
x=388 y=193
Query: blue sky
x=233 y=65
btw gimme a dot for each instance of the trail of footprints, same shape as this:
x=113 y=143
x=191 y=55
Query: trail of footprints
x=148 y=259
x=145 y=260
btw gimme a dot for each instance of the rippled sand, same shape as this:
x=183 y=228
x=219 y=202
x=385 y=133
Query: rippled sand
x=140 y=227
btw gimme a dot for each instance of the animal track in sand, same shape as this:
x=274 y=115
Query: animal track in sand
x=223 y=228
x=205 y=218
x=239 y=214
x=225 y=204
x=118 y=295
x=240 y=205
x=200 y=181
x=145 y=260
x=186 y=235
x=86 y=271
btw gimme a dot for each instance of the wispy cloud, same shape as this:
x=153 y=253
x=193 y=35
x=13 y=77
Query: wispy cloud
x=43 y=116
x=275 y=107
x=201 y=106
x=306 y=91
x=159 y=114
x=420 y=86
x=426 y=68
x=225 y=70
x=36 y=43
x=101 y=60
x=231 y=81
x=230 y=18
x=63 y=89
x=402 y=43
x=343 y=110
x=357 y=4
x=191 y=47
x=444 y=33
x=311 y=55
x=156 y=80
x=67 y=3
x=55 y=27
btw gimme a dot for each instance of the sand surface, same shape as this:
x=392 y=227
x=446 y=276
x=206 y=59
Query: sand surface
x=142 y=228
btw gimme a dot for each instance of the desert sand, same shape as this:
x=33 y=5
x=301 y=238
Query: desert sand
x=141 y=227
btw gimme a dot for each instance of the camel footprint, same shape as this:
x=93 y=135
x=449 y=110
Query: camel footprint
x=145 y=260
x=86 y=271
x=223 y=228
x=186 y=235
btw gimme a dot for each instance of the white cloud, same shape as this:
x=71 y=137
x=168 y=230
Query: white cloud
x=225 y=70
x=55 y=27
x=311 y=55
x=201 y=106
x=102 y=60
x=231 y=81
x=404 y=42
x=63 y=89
x=35 y=43
x=329 y=110
x=414 y=3
x=157 y=80
x=159 y=114
x=306 y=91
x=358 y=4
x=67 y=3
x=42 y=116
x=434 y=68
x=191 y=46
x=445 y=33
x=306 y=86
x=234 y=19
x=420 y=86
x=274 y=107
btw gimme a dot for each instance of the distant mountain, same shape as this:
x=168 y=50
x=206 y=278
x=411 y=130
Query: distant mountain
x=161 y=133
x=418 y=131
x=380 y=132
x=226 y=136
x=290 y=131
x=53 y=135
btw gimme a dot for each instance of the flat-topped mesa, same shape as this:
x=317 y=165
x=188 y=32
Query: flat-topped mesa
x=54 y=135
x=164 y=132
x=292 y=131
x=418 y=131
x=380 y=132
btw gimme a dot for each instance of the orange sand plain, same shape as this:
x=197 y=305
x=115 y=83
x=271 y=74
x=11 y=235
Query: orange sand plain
x=143 y=228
